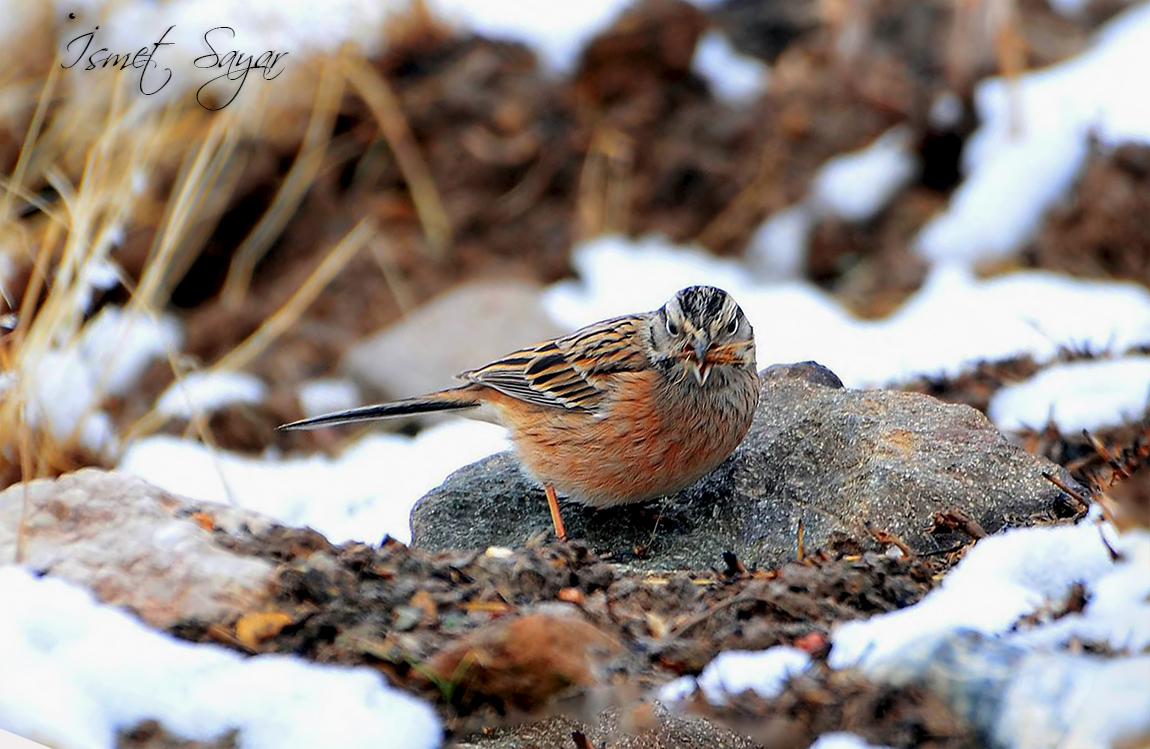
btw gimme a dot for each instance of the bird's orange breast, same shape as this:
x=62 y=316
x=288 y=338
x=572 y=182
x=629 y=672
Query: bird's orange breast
x=644 y=445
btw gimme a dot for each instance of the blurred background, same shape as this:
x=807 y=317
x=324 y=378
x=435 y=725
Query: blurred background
x=949 y=196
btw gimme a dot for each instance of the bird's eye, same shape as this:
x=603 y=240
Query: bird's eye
x=672 y=328
x=732 y=326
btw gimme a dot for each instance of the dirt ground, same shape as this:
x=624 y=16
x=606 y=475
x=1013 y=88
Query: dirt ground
x=440 y=624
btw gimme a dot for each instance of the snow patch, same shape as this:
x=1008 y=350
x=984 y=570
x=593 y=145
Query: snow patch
x=64 y=387
x=734 y=671
x=953 y=322
x=364 y=494
x=1005 y=577
x=75 y=672
x=1034 y=141
x=734 y=78
x=557 y=32
x=317 y=397
x=1076 y=396
x=205 y=392
x=841 y=740
x=857 y=186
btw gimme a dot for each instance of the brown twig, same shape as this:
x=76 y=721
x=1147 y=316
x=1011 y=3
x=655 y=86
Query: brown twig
x=886 y=537
x=734 y=567
x=955 y=519
x=1079 y=496
x=581 y=740
x=703 y=616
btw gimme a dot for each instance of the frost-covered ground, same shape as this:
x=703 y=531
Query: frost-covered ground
x=72 y=671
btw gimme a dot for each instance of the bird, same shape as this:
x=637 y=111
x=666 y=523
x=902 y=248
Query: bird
x=621 y=411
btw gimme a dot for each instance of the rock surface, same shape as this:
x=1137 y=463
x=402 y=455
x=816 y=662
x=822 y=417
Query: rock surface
x=462 y=329
x=828 y=458
x=135 y=545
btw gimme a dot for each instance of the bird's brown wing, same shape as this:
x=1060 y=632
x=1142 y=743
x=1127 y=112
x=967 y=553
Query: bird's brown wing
x=573 y=372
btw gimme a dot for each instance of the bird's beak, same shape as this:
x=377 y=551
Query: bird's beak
x=701 y=370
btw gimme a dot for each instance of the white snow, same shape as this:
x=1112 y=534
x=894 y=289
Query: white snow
x=96 y=275
x=64 y=386
x=118 y=346
x=1069 y=8
x=853 y=186
x=204 y=392
x=318 y=397
x=363 y=494
x=778 y=248
x=954 y=321
x=734 y=78
x=63 y=398
x=557 y=32
x=946 y=110
x=1007 y=576
x=1076 y=396
x=734 y=671
x=1118 y=612
x=1033 y=141
x=765 y=672
x=1082 y=701
x=76 y=671
x=1056 y=695
x=841 y=740
x=857 y=186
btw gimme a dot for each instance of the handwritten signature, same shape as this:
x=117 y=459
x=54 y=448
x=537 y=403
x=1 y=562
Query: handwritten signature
x=235 y=64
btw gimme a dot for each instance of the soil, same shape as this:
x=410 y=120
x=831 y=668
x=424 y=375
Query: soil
x=414 y=615
x=1102 y=231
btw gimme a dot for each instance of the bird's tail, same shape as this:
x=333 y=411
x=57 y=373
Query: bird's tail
x=456 y=399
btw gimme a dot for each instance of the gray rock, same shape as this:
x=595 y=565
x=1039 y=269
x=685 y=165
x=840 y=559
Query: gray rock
x=136 y=545
x=1020 y=699
x=465 y=328
x=818 y=454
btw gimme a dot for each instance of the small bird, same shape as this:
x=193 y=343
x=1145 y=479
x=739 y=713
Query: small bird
x=620 y=411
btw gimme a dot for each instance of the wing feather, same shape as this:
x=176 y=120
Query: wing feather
x=572 y=372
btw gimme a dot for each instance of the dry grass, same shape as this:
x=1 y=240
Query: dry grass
x=97 y=163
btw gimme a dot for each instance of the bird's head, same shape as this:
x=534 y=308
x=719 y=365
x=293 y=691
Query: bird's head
x=702 y=330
